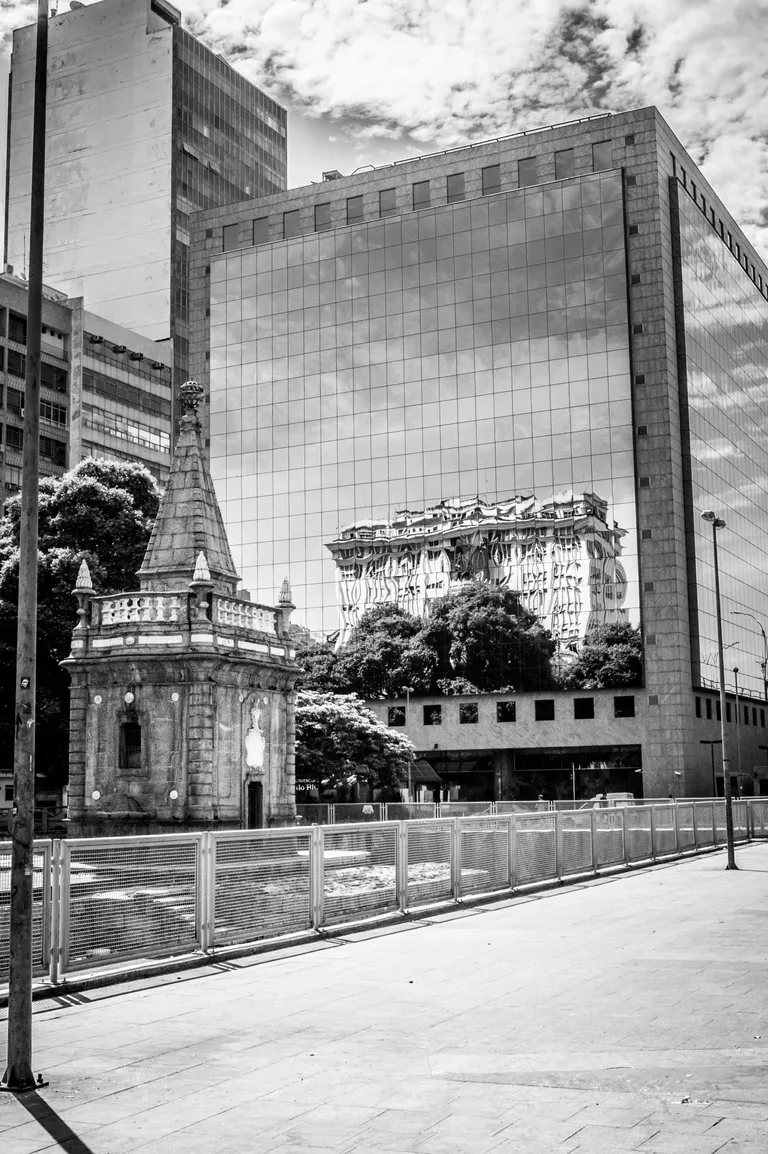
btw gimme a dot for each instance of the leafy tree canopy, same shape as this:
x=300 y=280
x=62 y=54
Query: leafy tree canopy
x=385 y=653
x=610 y=658
x=101 y=512
x=338 y=737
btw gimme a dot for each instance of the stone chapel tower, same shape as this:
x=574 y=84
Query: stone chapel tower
x=181 y=705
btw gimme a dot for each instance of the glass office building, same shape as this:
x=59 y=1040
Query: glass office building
x=473 y=350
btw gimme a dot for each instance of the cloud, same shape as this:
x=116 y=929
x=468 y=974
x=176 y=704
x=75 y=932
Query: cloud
x=447 y=72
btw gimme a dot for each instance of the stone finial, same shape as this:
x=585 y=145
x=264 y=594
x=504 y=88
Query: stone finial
x=83 y=585
x=285 y=597
x=202 y=573
x=191 y=395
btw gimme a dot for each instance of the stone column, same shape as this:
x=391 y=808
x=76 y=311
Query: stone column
x=200 y=756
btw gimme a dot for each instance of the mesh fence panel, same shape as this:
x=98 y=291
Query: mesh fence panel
x=41 y=872
x=760 y=817
x=314 y=813
x=429 y=861
x=535 y=851
x=609 y=836
x=360 y=875
x=685 y=833
x=664 y=839
x=704 y=823
x=465 y=808
x=484 y=855
x=507 y=807
x=740 y=820
x=352 y=811
x=719 y=822
x=131 y=897
x=410 y=810
x=577 y=842
x=639 y=843
x=261 y=886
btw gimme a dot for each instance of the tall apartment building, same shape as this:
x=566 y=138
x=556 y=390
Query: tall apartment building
x=564 y=317
x=104 y=391
x=145 y=126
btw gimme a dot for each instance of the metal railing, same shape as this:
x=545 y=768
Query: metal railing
x=335 y=813
x=106 y=902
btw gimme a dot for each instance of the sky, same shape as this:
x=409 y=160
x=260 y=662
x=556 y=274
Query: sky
x=371 y=81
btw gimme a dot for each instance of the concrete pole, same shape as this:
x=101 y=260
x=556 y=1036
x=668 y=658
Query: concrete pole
x=18 y=1074
x=718 y=523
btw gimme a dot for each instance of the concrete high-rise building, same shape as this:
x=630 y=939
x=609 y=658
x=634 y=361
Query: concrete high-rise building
x=145 y=126
x=561 y=313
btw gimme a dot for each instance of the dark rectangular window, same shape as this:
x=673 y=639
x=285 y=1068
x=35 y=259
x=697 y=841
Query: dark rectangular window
x=17 y=363
x=53 y=450
x=698 y=706
x=388 y=202
x=57 y=414
x=354 y=209
x=717 y=709
x=746 y=715
x=130 y=745
x=545 y=709
x=601 y=156
x=261 y=230
x=14 y=438
x=491 y=179
x=53 y=377
x=323 y=217
x=17 y=328
x=421 y=194
x=396 y=715
x=506 y=711
x=565 y=164
x=754 y=715
x=433 y=715
x=727 y=711
x=468 y=714
x=229 y=236
x=527 y=171
x=14 y=402
x=291 y=226
x=762 y=719
x=454 y=187
x=709 y=708
x=623 y=707
x=583 y=708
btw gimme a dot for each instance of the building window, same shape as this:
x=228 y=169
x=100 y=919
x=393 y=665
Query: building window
x=433 y=715
x=698 y=706
x=754 y=715
x=454 y=187
x=14 y=438
x=746 y=715
x=130 y=745
x=491 y=179
x=354 y=209
x=229 y=236
x=9 y=793
x=623 y=707
x=53 y=377
x=17 y=363
x=421 y=194
x=261 y=230
x=396 y=715
x=323 y=217
x=57 y=414
x=14 y=402
x=709 y=708
x=583 y=708
x=468 y=714
x=762 y=719
x=527 y=171
x=727 y=711
x=388 y=202
x=564 y=164
x=601 y=156
x=291 y=224
x=717 y=709
x=653 y=699
x=17 y=328
x=506 y=711
x=545 y=710
x=53 y=450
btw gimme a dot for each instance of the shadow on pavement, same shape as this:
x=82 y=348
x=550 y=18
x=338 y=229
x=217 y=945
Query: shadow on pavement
x=58 y=1129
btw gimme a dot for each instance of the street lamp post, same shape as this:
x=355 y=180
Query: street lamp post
x=719 y=523
x=764 y=663
x=738 y=731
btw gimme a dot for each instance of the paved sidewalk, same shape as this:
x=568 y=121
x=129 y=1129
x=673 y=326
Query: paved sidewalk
x=627 y=1014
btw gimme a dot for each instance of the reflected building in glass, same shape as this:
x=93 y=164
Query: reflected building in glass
x=530 y=361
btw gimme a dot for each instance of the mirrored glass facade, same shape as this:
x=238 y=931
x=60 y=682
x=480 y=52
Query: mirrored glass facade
x=726 y=347
x=478 y=349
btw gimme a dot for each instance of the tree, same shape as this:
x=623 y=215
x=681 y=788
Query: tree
x=611 y=657
x=385 y=653
x=318 y=663
x=483 y=638
x=101 y=512
x=338 y=738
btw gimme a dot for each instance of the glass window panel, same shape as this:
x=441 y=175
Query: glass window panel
x=565 y=164
x=230 y=236
x=421 y=194
x=291 y=225
x=455 y=187
x=354 y=209
x=388 y=202
x=527 y=171
x=322 y=217
x=261 y=230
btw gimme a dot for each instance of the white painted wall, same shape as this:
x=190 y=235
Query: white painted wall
x=108 y=161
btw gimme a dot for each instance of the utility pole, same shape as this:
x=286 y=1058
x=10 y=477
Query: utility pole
x=18 y=1074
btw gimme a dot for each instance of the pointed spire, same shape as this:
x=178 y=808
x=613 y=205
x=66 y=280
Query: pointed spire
x=84 y=584
x=202 y=573
x=189 y=521
x=285 y=597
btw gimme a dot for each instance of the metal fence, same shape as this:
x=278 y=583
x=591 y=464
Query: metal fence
x=337 y=813
x=105 y=902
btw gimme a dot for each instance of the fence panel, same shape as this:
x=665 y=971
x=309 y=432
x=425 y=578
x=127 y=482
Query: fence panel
x=352 y=811
x=129 y=897
x=536 y=851
x=409 y=810
x=739 y=821
x=41 y=907
x=705 y=824
x=466 y=808
x=719 y=822
x=360 y=870
x=609 y=837
x=577 y=842
x=759 y=817
x=261 y=884
x=429 y=861
x=686 y=838
x=314 y=813
x=508 y=807
x=639 y=839
x=484 y=855
x=664 y=839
